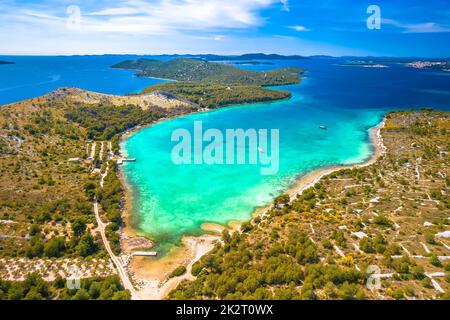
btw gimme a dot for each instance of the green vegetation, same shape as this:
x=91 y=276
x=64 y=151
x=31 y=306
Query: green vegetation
x=46 y=201
x=34 y=288
x=214 y=95
x=103 y=122
x=179 y=271
x=183 y=69
x=39 y=186
x=110 y=199
x=241 y=269
x=213 y=85
x=320 y=247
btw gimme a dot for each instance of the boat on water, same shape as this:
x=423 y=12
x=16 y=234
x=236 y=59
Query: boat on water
x=323 y=127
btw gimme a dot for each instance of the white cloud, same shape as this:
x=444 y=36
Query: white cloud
x=162 y=16
x=115 y=11
x=134 y=26
x=219 y=38
x=299 y=28
x=427 y=27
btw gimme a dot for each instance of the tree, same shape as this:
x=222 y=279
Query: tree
x=282 y=200
x=382 y=220
x=81 y=294
x=226 y=236
x=398 y=294
x=34 y=294
x=434 y=260
x=34 y=229
x=178 y=272
x=95 y=290
x=35 y=248
x=59 y=282
x=366 y=245
x=91 y=189
x=429 y=238
x=78 y=227
x=86 y=246
x=121 y=295
x=350 y=291
x=55 y=247
x=196 y=268
x=16 y=291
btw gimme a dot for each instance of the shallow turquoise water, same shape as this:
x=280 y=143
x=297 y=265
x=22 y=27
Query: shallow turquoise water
x=173 y=200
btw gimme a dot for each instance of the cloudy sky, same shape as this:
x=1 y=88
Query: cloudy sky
x=306 y=27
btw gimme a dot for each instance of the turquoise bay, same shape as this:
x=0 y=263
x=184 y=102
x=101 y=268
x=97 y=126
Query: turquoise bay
x=173 y=200
x=170 y=200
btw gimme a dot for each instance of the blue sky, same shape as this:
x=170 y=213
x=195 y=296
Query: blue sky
x=306 y=27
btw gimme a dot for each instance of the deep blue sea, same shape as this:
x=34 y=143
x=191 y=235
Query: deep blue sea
x=171 y=201
x=34 y=76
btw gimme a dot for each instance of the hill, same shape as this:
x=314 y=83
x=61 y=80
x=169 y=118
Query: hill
x=40 y=187
x=183 y=69
x=214 y=95
x=146 y=101
x=254 y=56
x=213 y=85
x=58 y=160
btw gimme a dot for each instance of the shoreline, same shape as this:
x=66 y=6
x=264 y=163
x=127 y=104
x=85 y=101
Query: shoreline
x=129 y=198
x=308 y=180
x=194 y=247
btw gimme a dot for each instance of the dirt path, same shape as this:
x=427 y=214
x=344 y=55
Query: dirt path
x=121 y=270
x=93 y=150
x=101 y=227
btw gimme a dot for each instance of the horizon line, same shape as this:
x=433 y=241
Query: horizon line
x=217 y=54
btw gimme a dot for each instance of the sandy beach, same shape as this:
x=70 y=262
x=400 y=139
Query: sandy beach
x=150 y=275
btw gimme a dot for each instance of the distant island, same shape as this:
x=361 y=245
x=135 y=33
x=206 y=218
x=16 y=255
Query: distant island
x=254 y=63
x=6 y=62
x=253 y=56
x=186 y=69
x=247 y=56
x=211 y=84
x=363 y=64
x=435 y=65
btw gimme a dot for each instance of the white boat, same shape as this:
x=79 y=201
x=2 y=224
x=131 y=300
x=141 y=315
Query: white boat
x=323 y=127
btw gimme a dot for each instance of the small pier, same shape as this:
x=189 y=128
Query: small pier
x=144 y=253
x=122 y=160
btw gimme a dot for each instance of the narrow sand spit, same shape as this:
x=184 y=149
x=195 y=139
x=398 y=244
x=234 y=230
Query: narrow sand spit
x=154 y=274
